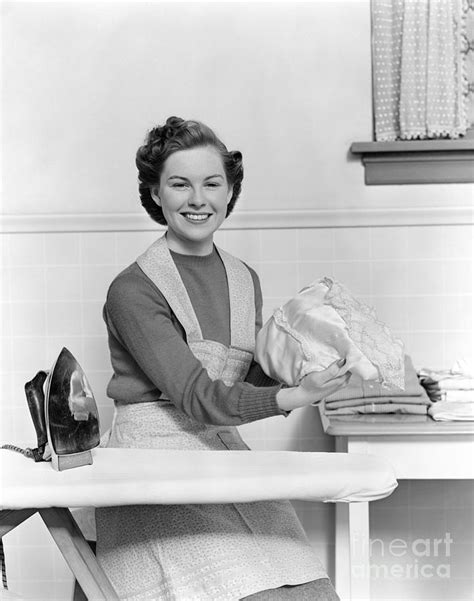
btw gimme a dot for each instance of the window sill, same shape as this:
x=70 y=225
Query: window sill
x=417 y=161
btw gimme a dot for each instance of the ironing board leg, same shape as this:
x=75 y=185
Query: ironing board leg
x=78 y=592
x=78 y=554
x=11 y=518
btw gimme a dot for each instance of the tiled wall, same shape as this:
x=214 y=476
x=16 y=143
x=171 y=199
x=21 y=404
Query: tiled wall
x=418 y=278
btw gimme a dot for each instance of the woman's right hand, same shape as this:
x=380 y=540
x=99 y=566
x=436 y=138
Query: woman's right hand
x=314 y=387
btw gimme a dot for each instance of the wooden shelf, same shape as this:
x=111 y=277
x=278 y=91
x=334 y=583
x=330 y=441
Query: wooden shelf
x=417 y=161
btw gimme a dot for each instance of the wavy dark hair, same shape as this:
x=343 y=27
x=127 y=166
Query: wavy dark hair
x=178 y=134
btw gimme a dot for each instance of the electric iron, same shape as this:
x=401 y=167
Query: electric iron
x=64 y=414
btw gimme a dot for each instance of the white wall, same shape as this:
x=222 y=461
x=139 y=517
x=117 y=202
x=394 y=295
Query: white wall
x=418 y=278
x=286 y=83
x=289 y=85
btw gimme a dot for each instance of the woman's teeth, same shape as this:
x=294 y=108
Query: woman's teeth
x=194 y=217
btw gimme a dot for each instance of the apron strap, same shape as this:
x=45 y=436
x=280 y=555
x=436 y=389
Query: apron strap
x=156 y=262
x=242 y=302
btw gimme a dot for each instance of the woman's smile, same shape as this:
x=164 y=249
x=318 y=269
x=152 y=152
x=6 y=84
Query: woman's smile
x=197 y=218
x=193 y=194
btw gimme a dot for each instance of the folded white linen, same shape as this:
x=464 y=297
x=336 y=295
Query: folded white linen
x=151 y=476
x=453 y=385
x=322 y=324
x=386 y=418
x=452 y=411
x=459 y=377
x=438 y=392
x=458 y=396
x=357 y=388
x=378 y=408
x=382 y=400
x=456 y=382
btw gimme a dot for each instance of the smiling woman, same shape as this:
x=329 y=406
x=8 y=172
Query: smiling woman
x=181 y=322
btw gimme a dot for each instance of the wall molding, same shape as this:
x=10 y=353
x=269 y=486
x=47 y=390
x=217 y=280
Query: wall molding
x=246 y=220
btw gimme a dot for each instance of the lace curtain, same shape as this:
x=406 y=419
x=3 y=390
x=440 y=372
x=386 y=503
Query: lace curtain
x=419 y=69
x=468 y=49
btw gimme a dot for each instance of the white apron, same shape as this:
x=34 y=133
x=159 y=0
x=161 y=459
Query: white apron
x=219 y=552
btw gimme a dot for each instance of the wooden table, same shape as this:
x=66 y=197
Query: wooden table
x=418 y=448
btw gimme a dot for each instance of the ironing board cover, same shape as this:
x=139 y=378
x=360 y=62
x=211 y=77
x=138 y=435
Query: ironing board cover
x=149 y=476
x=203 y=552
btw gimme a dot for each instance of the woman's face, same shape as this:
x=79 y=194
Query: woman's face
x=193 y=194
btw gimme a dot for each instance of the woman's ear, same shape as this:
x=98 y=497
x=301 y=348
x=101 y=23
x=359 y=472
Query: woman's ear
x=229 y=194
x=154 y=194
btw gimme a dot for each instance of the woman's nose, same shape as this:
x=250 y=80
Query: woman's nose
x=197 y=199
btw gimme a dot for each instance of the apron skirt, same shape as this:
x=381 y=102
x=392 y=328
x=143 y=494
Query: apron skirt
x=220 y=552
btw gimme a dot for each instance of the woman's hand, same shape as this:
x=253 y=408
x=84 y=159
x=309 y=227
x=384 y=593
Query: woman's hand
x=314 y=387
x=321 y=384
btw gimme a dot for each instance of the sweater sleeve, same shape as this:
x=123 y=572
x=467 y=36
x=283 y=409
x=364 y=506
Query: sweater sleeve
x=141 y=320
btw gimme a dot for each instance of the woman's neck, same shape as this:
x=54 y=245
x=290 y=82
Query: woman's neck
x=198 y=248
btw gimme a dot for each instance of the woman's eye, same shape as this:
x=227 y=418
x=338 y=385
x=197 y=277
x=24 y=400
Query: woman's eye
x=213 y=184
x=179 y=185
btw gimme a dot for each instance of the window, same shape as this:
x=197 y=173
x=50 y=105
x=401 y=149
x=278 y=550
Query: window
x=423 y=92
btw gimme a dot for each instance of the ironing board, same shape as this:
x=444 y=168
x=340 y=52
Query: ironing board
x=149 y=476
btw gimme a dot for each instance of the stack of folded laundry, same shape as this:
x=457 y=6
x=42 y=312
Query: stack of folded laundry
x=370 y=397
x=451 y=391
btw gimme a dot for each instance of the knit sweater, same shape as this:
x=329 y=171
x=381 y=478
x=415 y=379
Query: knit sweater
x=150 y=356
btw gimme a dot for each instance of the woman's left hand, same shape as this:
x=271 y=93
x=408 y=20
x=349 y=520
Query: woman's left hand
x=321 y=384
x=314 y=387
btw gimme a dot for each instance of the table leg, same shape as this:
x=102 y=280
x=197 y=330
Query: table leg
x=352 y=551
x=360 y=551
x=342 y=555
x=78 y=554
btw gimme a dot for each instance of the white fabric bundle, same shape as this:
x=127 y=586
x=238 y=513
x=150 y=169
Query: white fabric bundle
x=322 y=324
x=452 y=391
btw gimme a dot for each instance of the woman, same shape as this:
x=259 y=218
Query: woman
x=181 y=322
